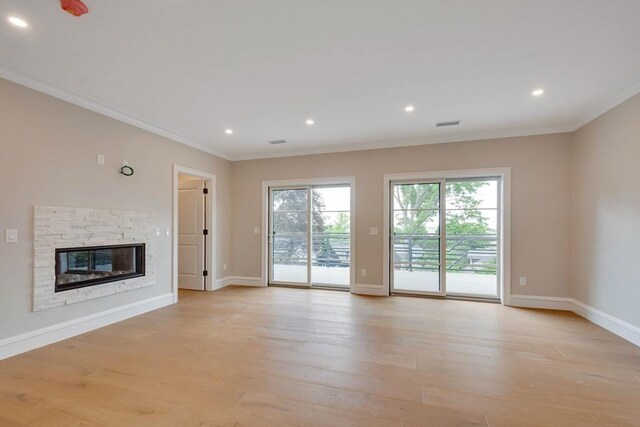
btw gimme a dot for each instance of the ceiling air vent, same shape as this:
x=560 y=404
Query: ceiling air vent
x=452 y=123
x=278 y=141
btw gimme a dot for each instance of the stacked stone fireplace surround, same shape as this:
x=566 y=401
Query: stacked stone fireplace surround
x=66 y=227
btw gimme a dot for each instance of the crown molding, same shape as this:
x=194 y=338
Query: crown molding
x=610 y=103
x=36 y=83
x=408 y=142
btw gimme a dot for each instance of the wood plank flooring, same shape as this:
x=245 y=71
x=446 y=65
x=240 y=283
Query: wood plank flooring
x=277 y=357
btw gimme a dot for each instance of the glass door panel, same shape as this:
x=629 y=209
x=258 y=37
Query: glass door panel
x=289 y=236
x=416 y=239
x=331 y=235
x=472 y=212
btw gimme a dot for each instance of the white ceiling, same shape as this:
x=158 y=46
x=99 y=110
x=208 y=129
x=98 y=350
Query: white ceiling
x=191 y=69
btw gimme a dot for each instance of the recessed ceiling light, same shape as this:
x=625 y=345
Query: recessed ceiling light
x=409 y=108
x=537 y=92
x=18 y=22
x=228 y=131
x=309 y=122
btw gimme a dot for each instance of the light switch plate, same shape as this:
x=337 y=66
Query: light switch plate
x=256 y=230
x=11 y=235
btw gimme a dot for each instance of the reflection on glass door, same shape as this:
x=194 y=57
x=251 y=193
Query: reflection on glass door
x=416 y=238
x=472 y=237
x=289 y=236
x=310 y=235
x=331 y=257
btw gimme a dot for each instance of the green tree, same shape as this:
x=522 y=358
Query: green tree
x=416 y=210
x=340 y=225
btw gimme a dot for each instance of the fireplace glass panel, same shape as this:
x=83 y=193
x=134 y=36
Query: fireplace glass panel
x=80 y=267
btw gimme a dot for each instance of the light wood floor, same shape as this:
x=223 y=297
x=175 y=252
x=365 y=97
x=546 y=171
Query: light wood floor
x=276 y=356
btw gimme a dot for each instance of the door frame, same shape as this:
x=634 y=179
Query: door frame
x=306 y=182
x=211 y=208
x=504 y=219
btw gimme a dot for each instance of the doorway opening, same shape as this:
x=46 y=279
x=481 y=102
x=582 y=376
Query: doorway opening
x=193 y=230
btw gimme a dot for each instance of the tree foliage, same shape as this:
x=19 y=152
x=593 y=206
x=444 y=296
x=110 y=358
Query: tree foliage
x=416 y=208
x=290 y=210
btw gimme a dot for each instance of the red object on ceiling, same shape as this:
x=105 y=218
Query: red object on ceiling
x=74 y=7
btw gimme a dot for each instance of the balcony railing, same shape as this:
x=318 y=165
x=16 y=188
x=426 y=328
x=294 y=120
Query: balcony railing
x=469 y=253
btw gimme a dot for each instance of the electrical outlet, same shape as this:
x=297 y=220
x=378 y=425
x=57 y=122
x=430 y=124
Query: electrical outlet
x=100 y=159
x=363 y=272
x=523 y=281
x=256 y=230
x=11 y=235
x=373 y=231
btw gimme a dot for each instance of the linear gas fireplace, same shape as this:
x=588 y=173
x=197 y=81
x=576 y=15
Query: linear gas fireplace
x=88 y=266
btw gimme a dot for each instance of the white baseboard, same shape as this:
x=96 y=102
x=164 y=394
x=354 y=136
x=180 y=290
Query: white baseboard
x=244 y=281
x=617 y=326
x=367 y=289
x=31 y=340
x=221 y=283
x=549 y=303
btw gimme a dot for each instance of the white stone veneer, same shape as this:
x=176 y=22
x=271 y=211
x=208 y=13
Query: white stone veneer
x=62 y=227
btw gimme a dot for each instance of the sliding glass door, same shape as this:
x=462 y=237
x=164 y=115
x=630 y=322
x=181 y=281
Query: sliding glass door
x=331 y=235
x=445 y=237
x=289 y=234
x=310 y=236
x=472 y=227
x=416 y=239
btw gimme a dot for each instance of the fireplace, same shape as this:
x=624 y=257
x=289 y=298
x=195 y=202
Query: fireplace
x=93 y=265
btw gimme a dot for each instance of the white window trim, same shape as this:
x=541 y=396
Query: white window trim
x=505 y=218
x=350 y=180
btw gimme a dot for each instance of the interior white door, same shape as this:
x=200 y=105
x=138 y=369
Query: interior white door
x=191 y=238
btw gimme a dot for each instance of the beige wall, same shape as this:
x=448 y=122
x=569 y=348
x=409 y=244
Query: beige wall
x=540 y=201
x=605 y=254
x=48 y=157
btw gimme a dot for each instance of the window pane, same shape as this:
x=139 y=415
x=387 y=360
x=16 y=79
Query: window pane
x=331 y=235
x=416 y=241
x=417 y=222
x=479 y=194
x=472 y=239
x=290 y=200
x=288 y=222
x=332 y=198
x=407 y=197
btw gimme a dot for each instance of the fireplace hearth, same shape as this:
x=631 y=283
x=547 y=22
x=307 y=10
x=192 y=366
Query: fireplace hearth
x=94 y=265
